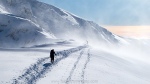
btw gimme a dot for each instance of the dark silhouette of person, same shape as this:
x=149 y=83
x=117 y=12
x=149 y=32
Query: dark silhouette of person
x=52 y=53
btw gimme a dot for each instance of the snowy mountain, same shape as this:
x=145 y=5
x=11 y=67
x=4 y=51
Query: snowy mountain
x=39 y=27
x=29 y=22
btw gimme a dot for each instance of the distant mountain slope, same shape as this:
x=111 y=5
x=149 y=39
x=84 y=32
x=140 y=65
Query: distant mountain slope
x=16 y=31
x=31 y=21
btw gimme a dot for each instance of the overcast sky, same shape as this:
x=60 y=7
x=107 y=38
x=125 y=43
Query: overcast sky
x=108 y=12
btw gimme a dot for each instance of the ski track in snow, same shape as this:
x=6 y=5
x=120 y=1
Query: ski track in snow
x=39 y=69
x=75 y=65
x=85 y=65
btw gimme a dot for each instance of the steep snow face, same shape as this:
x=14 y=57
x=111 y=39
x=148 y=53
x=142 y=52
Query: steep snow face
x=48 y=22
x=19 y=31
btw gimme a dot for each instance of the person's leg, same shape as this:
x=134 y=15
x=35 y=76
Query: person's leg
x=52 y=60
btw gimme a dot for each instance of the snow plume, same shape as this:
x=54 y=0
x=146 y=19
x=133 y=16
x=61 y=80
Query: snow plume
x=47 y=34
x=131 y=49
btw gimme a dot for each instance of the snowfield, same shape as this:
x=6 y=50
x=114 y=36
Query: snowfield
x=86 y=52
x=73 y=65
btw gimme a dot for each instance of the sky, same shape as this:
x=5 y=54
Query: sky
x=109 y=13
x=140 y=32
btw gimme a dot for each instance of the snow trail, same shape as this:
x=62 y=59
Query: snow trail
x=74 y=67
x=87 y=61
x=79 y=67
x=40 y=68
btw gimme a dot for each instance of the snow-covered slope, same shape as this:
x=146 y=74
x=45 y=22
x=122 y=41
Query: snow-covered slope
x=73 y=65
x=25 y=23
x=27 y=20
x=19 y=31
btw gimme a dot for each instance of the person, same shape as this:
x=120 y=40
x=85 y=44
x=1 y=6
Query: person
x=52 y=53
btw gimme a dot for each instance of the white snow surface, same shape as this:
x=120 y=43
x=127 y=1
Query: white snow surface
x=2 y=10
x=86 y=52
x=73 y=64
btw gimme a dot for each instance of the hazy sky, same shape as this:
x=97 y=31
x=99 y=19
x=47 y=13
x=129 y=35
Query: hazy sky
x=129 y=18
x=142 y=32
x=108 y=12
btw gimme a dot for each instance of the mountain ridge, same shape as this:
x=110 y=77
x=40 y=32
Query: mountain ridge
x=55 y=23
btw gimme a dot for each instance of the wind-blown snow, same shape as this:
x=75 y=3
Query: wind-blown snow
x=80 y=65
x=49 y=23
x=29 y=29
